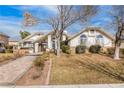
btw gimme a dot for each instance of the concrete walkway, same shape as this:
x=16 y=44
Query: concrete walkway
x=12 y=71
x=71 y=86
x=78 y=86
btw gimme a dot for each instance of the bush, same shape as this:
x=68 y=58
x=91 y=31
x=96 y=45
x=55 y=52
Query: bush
x=122 y=52
x=65 y=49
x=39 y=62
x=95 y=48
x=9 y=50
x=111 y=51
x=80 y=49
x=63 y=43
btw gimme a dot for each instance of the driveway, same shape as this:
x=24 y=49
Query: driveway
x=12 y=71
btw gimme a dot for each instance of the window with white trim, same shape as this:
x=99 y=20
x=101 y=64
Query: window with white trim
x=83 y=39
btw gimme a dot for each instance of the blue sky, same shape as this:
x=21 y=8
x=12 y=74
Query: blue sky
x=11 y=18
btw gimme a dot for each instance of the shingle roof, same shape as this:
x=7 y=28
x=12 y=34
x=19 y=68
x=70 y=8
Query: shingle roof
x=3 y=34
x=30 y=36
x=44 y=37
x=101 y=30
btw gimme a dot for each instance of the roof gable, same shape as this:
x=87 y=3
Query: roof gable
x=28 y=38
x=99 y=29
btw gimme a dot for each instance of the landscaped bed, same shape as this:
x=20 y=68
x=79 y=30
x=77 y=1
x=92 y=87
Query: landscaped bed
x=86 y=69
x=35 y=74
x=6 y=57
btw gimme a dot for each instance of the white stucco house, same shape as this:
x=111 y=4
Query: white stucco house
x=38 y=42
x=28 y=42
x=91 y=36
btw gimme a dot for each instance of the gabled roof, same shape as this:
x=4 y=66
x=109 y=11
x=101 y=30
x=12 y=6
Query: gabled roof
x=1 y=33
x=99 y=29
x=45 y=36
x=30 y=36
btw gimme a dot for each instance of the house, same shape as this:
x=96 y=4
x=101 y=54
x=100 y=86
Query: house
x=4 y=38
x=13 y=44
x=48 y=41
x=38 y=42
x=28 y=42
x=91 y=36
x=3 y=41
x=122 y=40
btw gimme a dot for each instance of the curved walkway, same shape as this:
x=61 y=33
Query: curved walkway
x=12 y=71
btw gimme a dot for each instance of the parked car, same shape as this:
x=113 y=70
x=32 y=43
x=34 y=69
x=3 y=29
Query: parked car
x=2 y=47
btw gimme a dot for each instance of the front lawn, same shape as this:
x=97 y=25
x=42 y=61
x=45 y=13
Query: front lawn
x=86 y=69
x=6 y=56
x=34 y=76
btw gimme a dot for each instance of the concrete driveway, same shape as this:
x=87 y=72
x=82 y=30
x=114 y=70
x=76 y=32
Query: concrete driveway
x=13 y=70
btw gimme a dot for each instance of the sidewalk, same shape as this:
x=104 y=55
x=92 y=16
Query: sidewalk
x=12 y=71
x=71 y=86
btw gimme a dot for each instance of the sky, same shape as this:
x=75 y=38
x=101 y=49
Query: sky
x=11 y=19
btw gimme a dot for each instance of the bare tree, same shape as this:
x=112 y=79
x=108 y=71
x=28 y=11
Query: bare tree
x=118 y=20
x=68 y=15
x=65 y=17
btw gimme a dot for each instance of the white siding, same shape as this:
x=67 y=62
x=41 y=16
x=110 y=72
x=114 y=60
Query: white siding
x=35 y=37
x=49 y=42
x=36 y=47
x=64 y=37
x=91 y=40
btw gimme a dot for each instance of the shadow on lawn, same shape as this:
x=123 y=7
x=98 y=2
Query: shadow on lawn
x=105 y=68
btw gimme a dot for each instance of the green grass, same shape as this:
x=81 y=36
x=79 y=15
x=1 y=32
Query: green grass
x=86 y=69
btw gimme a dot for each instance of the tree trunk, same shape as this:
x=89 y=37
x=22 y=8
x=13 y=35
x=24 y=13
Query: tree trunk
x=58 y=47
x=117 y=50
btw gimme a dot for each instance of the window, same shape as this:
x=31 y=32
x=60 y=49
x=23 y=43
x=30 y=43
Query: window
x=99 y=39
x=91 y=31
x=53 y=44
x=83 y=39
x=122 y=37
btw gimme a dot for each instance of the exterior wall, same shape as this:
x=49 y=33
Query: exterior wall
x=29 y=45
x=4 y=39
x=76 y=41
x=12 y=43
x=64 y=37
x=122 y=45
x=36 y=47
x=35 y=37
x=91 y=40
x=49 y=42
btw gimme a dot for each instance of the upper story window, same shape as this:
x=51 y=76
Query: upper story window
x=83 y=39
x=91 y=31
x=99 y=36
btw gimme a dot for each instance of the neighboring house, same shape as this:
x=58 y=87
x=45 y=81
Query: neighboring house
x=122 y=42
x=3 y=42
x=13 y=44
x=91 y=36
x=39 y=42
x=28 y=42
x=4 y=38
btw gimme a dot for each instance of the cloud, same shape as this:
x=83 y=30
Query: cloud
x=51 y=8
